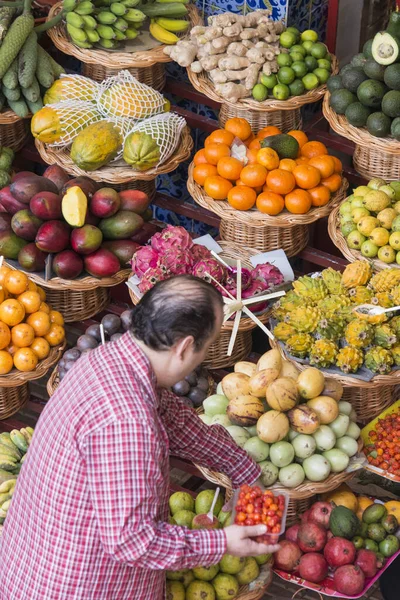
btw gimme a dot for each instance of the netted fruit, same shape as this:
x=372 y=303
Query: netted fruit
x=359 y=334
x=360 y=294
x=383 y=299
x=310 y=288
x=356 y=273
x=385 y=280
x=385 y=336
x=349 y=359
x=331 y=329
x=283 y=331
x=304 y=319
x=299 y=344
x=323 y=353
x=395 y=352
x=379 y=360
x=333 y=281
x=329 y=305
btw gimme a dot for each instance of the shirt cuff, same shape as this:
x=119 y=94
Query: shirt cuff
x=211 y=546
x=249 y=474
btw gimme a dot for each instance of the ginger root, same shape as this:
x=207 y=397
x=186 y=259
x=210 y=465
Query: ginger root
x=208 y=63
x=232 y=92
x=233 y=62
x=184 y=52
x=252 y=77
x=236 y=49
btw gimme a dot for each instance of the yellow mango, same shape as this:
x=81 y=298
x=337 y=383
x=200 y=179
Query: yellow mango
x=74 y=206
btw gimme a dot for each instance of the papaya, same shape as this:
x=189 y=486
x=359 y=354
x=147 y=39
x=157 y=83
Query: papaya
x=96 y=145
x=141 y=151
x=132 y=100
x=51 y=123
x=71 y=88
x=342 y=496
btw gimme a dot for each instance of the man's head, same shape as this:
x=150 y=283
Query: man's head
x=175 y=323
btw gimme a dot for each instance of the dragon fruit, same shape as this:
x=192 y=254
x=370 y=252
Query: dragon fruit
x=231 y=282
x=247 y=278
x=268 y=274
x=178 y=263
x=171 y=237
x=199 y=252
x=256 y=288
x=151 y=277
x=145 y=258
x=211 y=266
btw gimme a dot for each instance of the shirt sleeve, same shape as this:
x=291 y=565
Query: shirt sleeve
x=124 y=478
x=207 y=446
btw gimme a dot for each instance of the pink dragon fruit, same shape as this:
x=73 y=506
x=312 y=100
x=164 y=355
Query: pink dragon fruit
x=231 y=281
x=145 y=258
x=267 y=274
x=171 y=237
x=178 y=263
x=255 y=289
x=199 y=252
x=211 y=266
x=247 y=278
x=151 y=277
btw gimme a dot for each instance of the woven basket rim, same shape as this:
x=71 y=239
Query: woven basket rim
x=253 y=217
x=204 y=85
x=8 y=116
x=114 y=60
x=352 y=255
x=113 y=174
x=359 y=135
x=16 y=378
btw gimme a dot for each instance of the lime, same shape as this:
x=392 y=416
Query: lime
x=310 y=81
x=307 y=46
x=297 y=56
x=287 y=39
x=319 y=50
x=281 y=92
x=283 y=60
x=322 y=74
x=323 y=63
x=300 y=69
x=269 y=81
x=295 y=32
x=309 y=36
x=311 y=63
x=296 y=88
x=260 y=92
x=298 y=48
x=286 y=75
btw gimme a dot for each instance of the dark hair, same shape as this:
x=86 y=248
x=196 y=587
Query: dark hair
x=176 y=308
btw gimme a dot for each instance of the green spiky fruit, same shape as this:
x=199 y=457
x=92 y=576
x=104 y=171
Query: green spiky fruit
x=329 y=305
x=395 y=295
x=383 y=299
x=395 y=352
x=323 y=353
x=359 y=334
x=360 y=294
x=299 y=344
x=395 y=325
x=349 y=359
x=333 y=281
x=385 y=336
x=283 y=331
x=385 y=280
x=286 y=304
x=331 y=329
x=310 y=288
x=346 y=313
x=304 y=319
x=379 y=360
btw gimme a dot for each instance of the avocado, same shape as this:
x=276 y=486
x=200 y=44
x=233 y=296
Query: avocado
x=395 y=129
x=285 y=145
x=334 y=83
x=367 y=48
x=371 y=92
x=353 y=78
x=392 y=76
x=378 y=124
x=394 y=23
x=357 y=114
x=374 y=70
x=340 y=100
x=358 y=60
x=385 y=48
x=391 y=104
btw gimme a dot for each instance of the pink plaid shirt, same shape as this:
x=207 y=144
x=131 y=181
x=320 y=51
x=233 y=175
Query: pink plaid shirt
x=88 y=520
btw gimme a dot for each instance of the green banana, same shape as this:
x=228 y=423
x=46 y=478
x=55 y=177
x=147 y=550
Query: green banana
x=69 y=5
x=130 y=3
x=108 y=44
x=75 y=20
x=24 y=431
x=10 y=451
x=106 y=18
x=121 y=25
x=90 y=22
x=18 y=439
x=85 y=8
x=170 y=1
x=118 y=9
x=135 y=16
x=7 y=486
x=119 y=36
x=106 y=32
x=131 y=34
x=4 y=498
x=77 y=35
x=5 y=439
x=30 y=430
x=7 y=463
x=3 y=513
x=23 y=459
x=137 y=26
x=6 y=505
x=174 y=25
x=92 y=36
x=101 y=3
x=161 y=34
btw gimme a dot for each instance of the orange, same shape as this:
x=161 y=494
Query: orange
x=302 y=160
x=56 y=317
x=280 y=181
x=213 y=152
x=44 y=307
x=254 y=175
x=333 y=182
x=199 y=158
x=239 y=127
x=6 y=362
x=217 y=187
x=249 y=140
x=255 y=145
x=41 y=293
x=251 y=156
x=242 y=197
x=338 y=164
x=40 y=321
x=325 y=165
x=22 y=335
x=32 y=287
x=320 y=195
x=3 y=272
x=202 y=171
x=56 y=335
x=16 y=282
x=298 y=202
x=11 y=312
x=306 y=176
x=2 y=294
x=270 y=203
x=41 y=347
x=300 y=136
x=311 y=149
x=268 y=131
x=25 y=359
x=268 y=158
x=220 y=136
x=11 y=349
x=5 y=335
x=229 y=168
x=287 y=164
x=30 y=301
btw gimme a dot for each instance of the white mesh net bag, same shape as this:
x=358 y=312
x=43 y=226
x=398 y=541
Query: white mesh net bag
x=124 y=96
x=124 y=126
x=152 y=141
x=74 y=87
x=73 y=117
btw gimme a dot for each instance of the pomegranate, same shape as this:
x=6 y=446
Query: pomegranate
x=329 y=535
x=292 y=532
x=313 y=567
x=288 y=556
x=367 y=561
x=304 y=516
x=339 y=551
x=320 y=513
x=311 y=537
x=349 y=580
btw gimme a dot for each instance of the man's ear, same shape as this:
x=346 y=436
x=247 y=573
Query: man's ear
x=183 y=346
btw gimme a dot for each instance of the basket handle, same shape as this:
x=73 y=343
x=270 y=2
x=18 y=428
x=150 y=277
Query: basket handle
x=301 y=589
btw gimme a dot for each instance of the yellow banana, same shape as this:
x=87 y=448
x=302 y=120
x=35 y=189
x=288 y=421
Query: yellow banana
x=161 y=34
x=174 y=25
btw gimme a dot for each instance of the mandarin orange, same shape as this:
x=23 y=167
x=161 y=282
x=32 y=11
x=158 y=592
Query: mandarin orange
x=306 y=176
x=298 y=202
x=280 y=181
x=217 y=187
x=270 y=203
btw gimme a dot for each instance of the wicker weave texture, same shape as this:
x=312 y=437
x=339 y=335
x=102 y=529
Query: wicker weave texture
x=372 y=162
x=13 y=132
x=148 y=187
x=153 y=75
x=17 y=378
x=285 y=120
x=12 y=399
x=369 y=403
x=78 y=305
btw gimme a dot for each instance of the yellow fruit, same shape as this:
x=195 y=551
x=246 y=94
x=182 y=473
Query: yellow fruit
x=44 y=307
x=282 y=394
x=5 y=335
x=40 y=321
x=6 y=362
x=141 y=151
x=25 y=360
x=245 y=410
x=40 y=347
x=16 y=282
x=363 y=503
x=379 y=236
x=393 y=508
x=22 y=335
x=56 y=317
x=342 y=496
x=130 y=99
x=71 y=88
x=310 y=383
x=41 y=293
x=356 y=273
x=95 y=146
x=55 y=335
x=32 y=287
x=30 y=301
x=50 y=125
x=74 y=206
x=3 y=272
x=11 y=312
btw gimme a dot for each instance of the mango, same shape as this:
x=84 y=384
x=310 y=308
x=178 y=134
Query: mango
x=25 y=188
x=31 y=258
x=10 y=244
x=105 y=203
x=5 y=222
x=86 y=239
x=67 y=264
x=121 y=226
x=101 y=263
x=90 y=219
x=25 y=225
x=123 y=250
x=134 y=200
x=46 y=206
x=53 y=236
x=87 y=185
x=57 y=175
x=74 y=206
x=10 y=204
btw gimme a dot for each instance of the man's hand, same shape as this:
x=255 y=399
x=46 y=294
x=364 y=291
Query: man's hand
x=239 y=542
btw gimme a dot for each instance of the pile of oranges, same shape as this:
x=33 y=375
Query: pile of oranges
x=29 y=328
x=262 y=179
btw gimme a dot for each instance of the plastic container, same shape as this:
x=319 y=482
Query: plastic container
x=268 y=538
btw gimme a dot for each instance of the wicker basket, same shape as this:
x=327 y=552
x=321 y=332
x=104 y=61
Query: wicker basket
x=147 y=66
x=13 y=130
x=12 y=399
x=245 y=591
x=120 y=173
x=148 y=187
x=285 y=120
x=373 y=156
